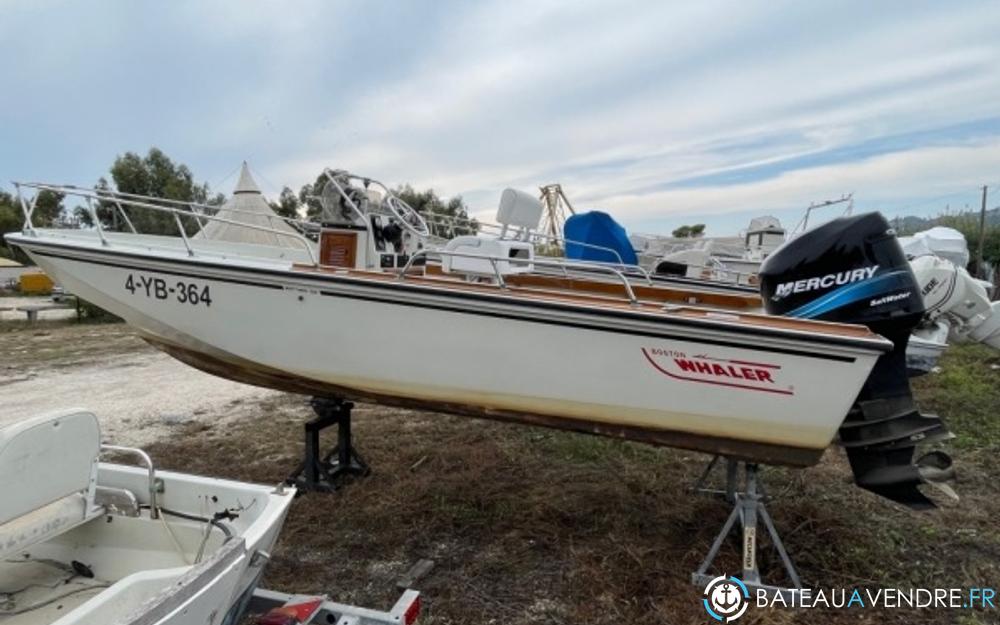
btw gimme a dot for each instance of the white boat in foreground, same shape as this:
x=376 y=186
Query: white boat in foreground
x=84 y=542
x=478 y=328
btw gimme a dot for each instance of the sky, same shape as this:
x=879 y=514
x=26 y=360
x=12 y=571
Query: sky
x=659 y=113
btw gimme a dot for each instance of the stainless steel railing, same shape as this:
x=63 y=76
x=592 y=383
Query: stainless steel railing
x=154 y=509
x=198 y=209
x=494 y=260
x=123 y=202
x=92 y=195
x=455 y=221
x=625 y=268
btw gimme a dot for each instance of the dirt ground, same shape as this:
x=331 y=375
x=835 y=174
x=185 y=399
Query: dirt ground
x=139 y=394
x=532 y=526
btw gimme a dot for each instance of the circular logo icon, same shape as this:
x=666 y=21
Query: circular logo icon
x=726 y=598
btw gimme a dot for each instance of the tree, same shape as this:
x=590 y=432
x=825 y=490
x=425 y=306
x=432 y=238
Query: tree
x=445 y=219
x=287 y=205
x=48 y=209
x=156 y=176
x=689 y=232
x=11 y=220
x=308 y=197
x=106 y=210
x=968 y=225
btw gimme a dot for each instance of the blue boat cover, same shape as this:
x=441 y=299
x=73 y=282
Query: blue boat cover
x=597 y=229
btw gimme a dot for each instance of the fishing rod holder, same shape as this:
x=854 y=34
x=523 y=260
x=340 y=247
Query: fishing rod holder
x=326 y=473
x=748 y=509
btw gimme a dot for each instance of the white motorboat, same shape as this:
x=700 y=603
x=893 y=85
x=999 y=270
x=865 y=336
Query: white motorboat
x=728 y=260
x=86 y=542
x=481 y=330
x=723 y=260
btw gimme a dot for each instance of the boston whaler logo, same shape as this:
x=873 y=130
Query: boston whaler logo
x=707 y=369
x=824 y=282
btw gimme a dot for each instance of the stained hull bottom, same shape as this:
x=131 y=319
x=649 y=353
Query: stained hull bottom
x=241 y=370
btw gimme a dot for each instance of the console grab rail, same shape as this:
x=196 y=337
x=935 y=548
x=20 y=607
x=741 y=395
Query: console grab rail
x=493 y=260
x=154 y=510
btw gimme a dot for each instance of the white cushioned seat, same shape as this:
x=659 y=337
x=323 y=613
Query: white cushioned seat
x=48 y=469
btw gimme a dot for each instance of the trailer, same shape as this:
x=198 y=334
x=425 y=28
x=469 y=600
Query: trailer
x=278 y=608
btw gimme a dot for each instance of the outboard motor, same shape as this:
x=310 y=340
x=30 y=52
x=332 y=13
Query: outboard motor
x=853 y=270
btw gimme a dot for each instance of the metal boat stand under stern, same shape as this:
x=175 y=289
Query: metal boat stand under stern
x=326 y=473
x=748 y=508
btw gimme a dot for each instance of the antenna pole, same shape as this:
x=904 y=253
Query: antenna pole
x=980 y=266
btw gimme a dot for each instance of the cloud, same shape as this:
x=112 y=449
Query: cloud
x=632 y=106
x=887 y=182
x=651 y=98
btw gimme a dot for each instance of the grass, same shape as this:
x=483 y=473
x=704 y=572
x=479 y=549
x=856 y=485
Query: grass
x=528 y=525
x=967 y=393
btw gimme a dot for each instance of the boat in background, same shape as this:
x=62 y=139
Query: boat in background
x=957 y=306
x=726 y=260
x=583 y=346
x=85 y=542
x=723 y=260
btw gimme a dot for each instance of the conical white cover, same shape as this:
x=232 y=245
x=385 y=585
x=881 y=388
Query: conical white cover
x=248 y=206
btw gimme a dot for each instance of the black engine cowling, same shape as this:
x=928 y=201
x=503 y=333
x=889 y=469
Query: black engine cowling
x=853 y=270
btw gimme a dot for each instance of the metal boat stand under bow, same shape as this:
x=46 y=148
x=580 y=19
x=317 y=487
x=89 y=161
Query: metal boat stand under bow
x=326 y=473
x=748 y=508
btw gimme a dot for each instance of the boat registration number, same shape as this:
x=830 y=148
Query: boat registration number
x=159 y=288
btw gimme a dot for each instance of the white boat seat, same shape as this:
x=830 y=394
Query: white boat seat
x=49 y=469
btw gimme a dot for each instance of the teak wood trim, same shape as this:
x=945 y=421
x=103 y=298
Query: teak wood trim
x=666 y=301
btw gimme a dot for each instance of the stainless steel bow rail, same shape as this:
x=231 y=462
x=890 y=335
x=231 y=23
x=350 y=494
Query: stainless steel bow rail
x=121 y=201
x=197 y=209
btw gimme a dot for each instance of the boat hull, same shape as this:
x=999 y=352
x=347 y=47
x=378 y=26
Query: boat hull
x=724 y=390
x=147 y=571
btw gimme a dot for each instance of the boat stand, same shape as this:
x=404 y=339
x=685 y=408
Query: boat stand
x=326 y=473
x=748 y=507
x=729 y=492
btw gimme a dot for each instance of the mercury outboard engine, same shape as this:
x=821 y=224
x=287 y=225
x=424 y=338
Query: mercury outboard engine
x=853 y=270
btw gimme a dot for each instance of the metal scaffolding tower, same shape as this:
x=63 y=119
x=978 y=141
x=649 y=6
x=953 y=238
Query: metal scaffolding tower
x=557 y=209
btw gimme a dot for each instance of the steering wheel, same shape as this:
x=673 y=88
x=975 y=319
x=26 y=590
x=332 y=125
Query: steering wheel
x=409 y=218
